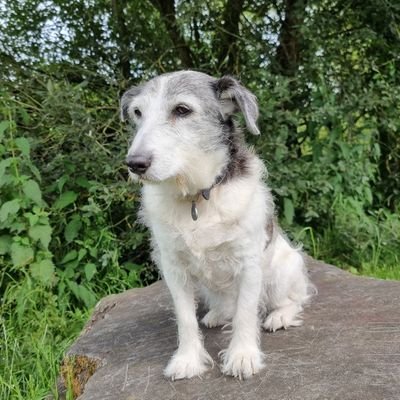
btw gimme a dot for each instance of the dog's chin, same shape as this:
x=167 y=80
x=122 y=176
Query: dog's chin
x=148 y=178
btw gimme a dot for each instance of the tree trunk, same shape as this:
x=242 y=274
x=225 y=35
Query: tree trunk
x=168 y=14
x=289 y=49
x=122 y=38
x=228 y=51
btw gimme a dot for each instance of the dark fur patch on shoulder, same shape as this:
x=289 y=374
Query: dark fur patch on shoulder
x=239 y=156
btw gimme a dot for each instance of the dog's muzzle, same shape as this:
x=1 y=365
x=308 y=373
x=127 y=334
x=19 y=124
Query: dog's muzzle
x=138 y=164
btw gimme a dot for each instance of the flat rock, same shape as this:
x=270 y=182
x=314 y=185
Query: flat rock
x=347 y=348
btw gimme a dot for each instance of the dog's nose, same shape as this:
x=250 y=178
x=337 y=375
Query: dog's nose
x=138 y=164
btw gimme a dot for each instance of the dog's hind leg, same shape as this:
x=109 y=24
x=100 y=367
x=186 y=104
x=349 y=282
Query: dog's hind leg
x=286 y=287
x=221 y=308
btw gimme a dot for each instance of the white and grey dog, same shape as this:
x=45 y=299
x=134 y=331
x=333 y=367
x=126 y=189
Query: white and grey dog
x=211 y=218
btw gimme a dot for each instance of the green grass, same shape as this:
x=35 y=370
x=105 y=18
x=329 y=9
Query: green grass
x=381 y=271
x=36 y=329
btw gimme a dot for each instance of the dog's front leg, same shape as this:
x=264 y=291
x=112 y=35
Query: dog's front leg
x=243 y=357
x=190 y=359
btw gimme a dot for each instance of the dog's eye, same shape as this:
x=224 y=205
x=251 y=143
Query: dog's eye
x=137 y=112
x=182 y=110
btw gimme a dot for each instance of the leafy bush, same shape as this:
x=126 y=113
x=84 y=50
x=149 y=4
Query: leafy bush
x=68 y=226
x=323 y=162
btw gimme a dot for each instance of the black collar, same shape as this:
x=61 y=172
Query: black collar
x=205 y=193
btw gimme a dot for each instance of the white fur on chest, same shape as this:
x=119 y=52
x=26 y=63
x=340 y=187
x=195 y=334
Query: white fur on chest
x=230 y=227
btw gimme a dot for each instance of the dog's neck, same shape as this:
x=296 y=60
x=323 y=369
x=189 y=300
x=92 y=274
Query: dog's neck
x=206 y=193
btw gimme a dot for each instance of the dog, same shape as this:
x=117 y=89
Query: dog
x=211 y=217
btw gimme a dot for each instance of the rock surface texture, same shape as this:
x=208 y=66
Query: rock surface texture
x=347 y=348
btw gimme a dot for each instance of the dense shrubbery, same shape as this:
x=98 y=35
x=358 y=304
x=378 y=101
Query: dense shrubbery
x=71 y=225
x=324 y=161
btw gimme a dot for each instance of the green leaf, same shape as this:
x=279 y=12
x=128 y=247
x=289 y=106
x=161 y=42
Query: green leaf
x=3 y=126
x=61 y=182
x=43 y=270
x=82 y=293
x=72 y=229
x=9 y=207
x=21 y=255
x=24 y=115
x=82 y=253
x=5 y=244
x=90 y=270
x=23 y=145
x=41 y=233
x=32 y=218
x=32 y=191
x=72 y=255
x=65 y=200
x=3 y=165
x=288 y=210
x=83 y=182
x=368 y=195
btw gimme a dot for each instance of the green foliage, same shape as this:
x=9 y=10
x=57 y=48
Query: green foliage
x=62 y=225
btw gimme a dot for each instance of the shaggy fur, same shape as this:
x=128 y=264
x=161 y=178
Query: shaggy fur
x=234 y=257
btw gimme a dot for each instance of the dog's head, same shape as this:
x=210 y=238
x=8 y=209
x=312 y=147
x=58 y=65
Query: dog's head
x=184 y=126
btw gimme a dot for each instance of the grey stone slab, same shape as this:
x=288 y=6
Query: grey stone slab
x=348 y=348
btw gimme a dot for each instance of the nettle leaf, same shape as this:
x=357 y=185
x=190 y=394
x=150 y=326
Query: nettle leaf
x=82 y=253
x=90 y=270
x=32 y=191
x=72 y=255
x=43 y=270
x=61 y=182
x=4 y=164
x=83 y=182
x=5 y=244
x=23 y=145
x=65 y=199
x=9 y=207
x=32 y=218
x=72 y=229
x=288 y=210
x=21 y=255
x=25 y=116
x=41 y=233
x=3 y=126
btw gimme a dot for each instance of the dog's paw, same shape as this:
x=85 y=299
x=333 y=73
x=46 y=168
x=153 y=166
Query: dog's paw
x=242 y=362
x=283 y=318
x=188 y=364
x=213 y=319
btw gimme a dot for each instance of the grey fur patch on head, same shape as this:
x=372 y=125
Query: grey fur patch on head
x=190 y=82
x=235 y=97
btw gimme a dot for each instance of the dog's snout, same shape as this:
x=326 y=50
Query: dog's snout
x=138 y=164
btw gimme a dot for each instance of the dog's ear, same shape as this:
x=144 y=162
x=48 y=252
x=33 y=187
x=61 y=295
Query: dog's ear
x=234 y=97
x=126 y=100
